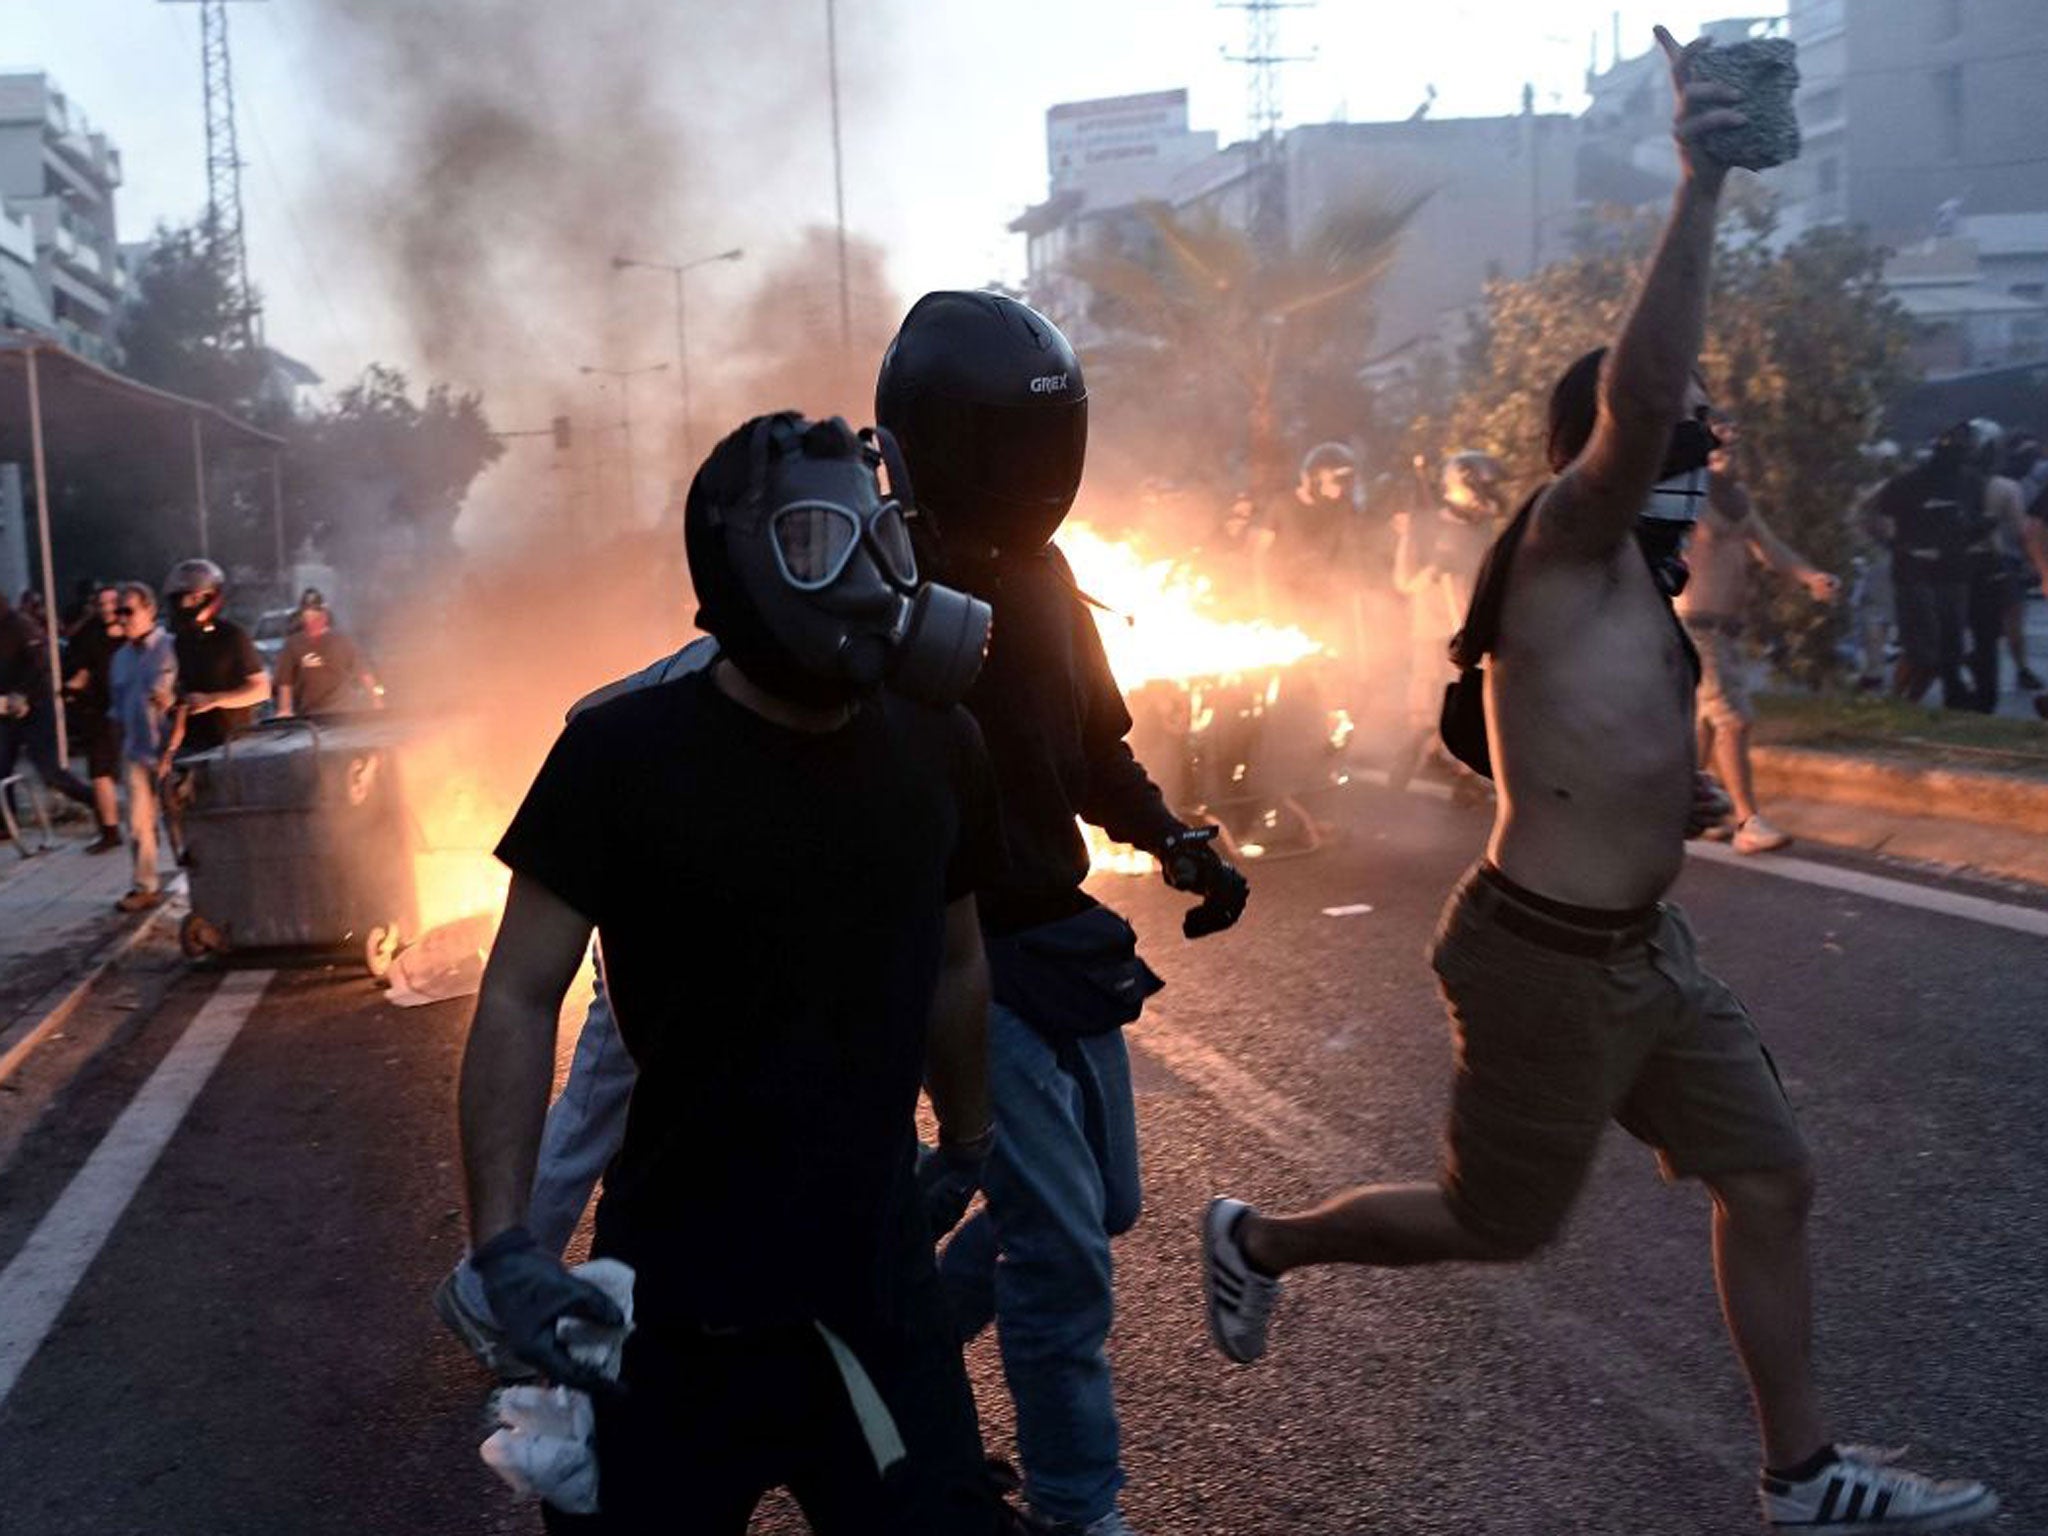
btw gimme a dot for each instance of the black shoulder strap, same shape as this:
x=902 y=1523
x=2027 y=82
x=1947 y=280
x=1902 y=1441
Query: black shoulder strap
x=1481 y=629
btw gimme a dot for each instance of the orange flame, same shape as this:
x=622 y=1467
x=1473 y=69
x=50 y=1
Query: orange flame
x=1168 y=623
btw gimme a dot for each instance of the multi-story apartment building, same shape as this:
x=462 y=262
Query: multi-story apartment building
x=1498 y=198
x=57 y=183
x=1918 y=112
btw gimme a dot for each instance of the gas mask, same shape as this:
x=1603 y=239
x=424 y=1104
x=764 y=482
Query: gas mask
x=1675 y=501
x=828 y=604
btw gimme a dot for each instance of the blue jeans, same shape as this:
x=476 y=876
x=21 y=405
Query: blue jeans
x=585 y=1125
x=1062 y=1181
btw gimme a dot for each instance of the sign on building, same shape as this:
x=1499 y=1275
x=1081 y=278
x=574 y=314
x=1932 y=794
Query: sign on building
x=1084 y=139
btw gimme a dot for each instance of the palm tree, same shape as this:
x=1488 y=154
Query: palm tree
x=1204 y=311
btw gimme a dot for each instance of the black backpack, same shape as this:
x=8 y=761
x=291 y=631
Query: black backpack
x=1462 y=723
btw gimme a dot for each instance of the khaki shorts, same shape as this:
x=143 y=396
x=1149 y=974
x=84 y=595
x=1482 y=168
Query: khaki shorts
x=1552 y=1045
x=1724 y=670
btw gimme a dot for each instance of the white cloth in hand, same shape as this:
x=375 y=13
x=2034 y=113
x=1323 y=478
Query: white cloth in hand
x=545 y=1444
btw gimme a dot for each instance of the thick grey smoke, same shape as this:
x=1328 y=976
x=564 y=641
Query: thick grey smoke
x=501 y=154
x=494 y=157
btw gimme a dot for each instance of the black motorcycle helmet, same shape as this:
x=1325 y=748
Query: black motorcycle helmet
x=985 y=398
x=194 y=593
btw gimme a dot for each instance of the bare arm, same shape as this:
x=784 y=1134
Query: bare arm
x=956 y=1051
x=509 y=1063
x=2008 y=510
x=1773 y=552
x=1870 y=519
x=254 y=689
x=2034 y=540
x=1592 y=506
x=284 y=701
x=1409 y=578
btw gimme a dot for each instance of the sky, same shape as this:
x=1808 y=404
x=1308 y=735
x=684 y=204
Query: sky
x=943 y=118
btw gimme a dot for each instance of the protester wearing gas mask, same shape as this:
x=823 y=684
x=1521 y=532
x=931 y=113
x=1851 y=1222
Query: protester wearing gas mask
x=1575 y=990
x=988 y=401
x=1436 y=560
x=221 y=676
x=779 y=855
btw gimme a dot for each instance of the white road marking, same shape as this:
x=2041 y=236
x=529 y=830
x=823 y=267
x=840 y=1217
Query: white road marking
x=1904 y=893
x=35 y=1287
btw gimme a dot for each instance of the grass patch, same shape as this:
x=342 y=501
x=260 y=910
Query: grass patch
x=1873 y=726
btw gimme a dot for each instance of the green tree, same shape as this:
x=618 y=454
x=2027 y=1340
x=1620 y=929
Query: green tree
x=183 y=331
x=380 y=465
x=1225 y=344
x=1803 y=347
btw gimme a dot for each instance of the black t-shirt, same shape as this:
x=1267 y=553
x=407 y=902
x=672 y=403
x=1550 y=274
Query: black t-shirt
x=21 y=658
x=217 y=659
x=91 y=651
x=322 y=674
x=1055 y=721
x=770 y=905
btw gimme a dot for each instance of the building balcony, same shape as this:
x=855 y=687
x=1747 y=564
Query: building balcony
x=17 y=238
x=85 y=261
x=84 y=156
x=89 y=299
x=1818 y=20
x=74 y=176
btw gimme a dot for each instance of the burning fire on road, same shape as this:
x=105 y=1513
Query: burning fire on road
x=1204 y=679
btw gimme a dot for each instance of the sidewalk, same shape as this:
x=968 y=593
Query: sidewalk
x=56 y=914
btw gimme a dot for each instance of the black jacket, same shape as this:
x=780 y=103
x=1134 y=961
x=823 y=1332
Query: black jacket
x=1054 y=720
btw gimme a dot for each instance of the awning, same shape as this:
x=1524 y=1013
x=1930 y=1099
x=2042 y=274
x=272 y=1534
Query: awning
x=54 y=405
x=92 y=410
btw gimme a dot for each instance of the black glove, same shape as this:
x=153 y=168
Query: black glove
x=1190 y=862
x=947 y=1177
x=530 y=1291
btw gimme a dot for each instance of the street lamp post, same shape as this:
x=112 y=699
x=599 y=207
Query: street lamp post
x=625 y=378
x=676 y=269
x=838 y=179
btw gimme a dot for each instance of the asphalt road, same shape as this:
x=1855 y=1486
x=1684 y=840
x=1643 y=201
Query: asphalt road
x=253 y=1350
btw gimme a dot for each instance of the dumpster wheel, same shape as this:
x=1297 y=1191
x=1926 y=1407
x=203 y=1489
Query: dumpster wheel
x=380 y=949
x=199 y=938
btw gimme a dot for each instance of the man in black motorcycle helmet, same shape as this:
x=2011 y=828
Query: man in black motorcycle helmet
x=987 y=399
x=221 y=677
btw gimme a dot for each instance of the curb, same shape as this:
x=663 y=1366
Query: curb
x=1946 y=794
x=50 y=1011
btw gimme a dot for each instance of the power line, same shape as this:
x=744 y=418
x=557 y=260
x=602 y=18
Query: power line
x=309 y=267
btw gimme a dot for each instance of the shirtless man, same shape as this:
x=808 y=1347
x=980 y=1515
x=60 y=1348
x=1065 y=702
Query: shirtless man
x=1731 y=536
x=1575 y=991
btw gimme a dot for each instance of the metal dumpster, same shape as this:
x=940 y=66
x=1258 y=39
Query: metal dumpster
x=295 y=835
